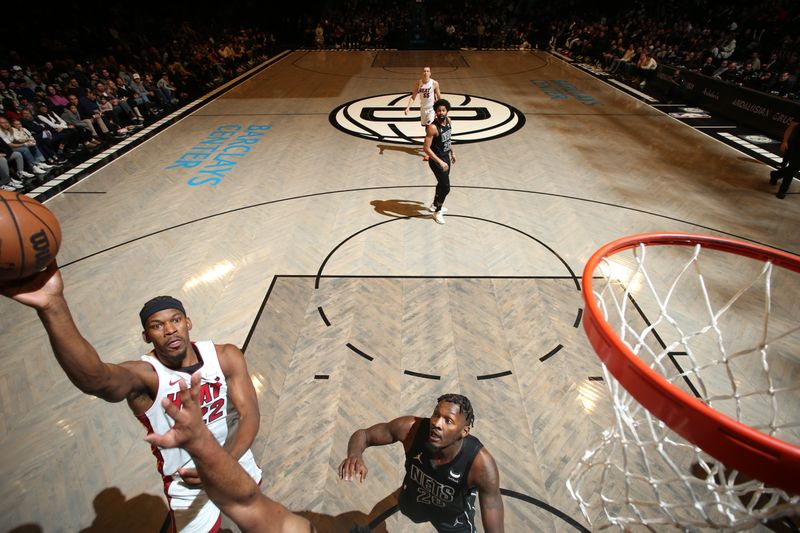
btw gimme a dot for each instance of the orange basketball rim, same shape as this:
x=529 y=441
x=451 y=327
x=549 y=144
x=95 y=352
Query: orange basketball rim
x=735 y=444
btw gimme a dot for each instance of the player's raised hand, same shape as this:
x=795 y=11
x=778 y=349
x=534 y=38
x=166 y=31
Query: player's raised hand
x=188 y=430
x=353 y=468
x=36 y=291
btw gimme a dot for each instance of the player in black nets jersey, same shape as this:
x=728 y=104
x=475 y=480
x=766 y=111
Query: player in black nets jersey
x=438 y=147
x=445 y=467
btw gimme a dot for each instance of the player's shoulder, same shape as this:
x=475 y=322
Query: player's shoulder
x=228 y=351
x=146 y=373
x=407 y=420
x=404 y=429
x=140 y=368
x=229 y=356
x=402 y=425
x=484 y=461
x=483 y=471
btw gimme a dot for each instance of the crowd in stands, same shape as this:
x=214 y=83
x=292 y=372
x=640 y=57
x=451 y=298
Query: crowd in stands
x=66 y=102
x=59 y=112
x=754 y=45
x=376 y=24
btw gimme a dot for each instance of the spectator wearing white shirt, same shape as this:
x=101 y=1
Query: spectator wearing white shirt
x=23 y=143
x=169 y=91
x=72 y=137
x=7 y=155
x=645 y=67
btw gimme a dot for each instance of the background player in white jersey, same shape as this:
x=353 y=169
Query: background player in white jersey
x=429 y=92
x=226 y=483
x=145 y=383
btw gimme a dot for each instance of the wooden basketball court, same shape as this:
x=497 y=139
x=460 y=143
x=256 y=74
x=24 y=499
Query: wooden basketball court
x=288 y=215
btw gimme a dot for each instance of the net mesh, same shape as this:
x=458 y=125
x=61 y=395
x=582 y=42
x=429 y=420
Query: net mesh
x=710 y=323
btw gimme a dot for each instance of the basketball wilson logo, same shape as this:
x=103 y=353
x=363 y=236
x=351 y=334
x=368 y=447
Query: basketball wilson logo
x=381 y=118
x=41 y=245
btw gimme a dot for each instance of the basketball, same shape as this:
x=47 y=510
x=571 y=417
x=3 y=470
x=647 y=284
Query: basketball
x=29 y=236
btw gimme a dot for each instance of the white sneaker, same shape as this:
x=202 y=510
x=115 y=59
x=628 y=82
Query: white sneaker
x=44 y=166
x=8 y=188
x=24 y=174
x=39 y=171
x=432 y=209
x=438 y=216
x=15 y=183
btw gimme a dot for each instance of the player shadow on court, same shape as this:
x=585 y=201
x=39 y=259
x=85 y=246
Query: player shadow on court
x=356 y=521
x=400 y=208
x=415 y=151
x=27 y=528
x=114 y=512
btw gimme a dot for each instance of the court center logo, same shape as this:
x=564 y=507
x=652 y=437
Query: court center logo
x=381 y=118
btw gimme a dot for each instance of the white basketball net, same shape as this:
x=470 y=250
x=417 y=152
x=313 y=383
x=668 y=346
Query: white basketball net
x=716 y=330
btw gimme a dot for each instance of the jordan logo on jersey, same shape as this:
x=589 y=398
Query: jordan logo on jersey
x=212 y=405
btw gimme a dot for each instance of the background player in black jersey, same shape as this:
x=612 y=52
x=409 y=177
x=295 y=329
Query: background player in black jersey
x=445 y=467
x=438 y=147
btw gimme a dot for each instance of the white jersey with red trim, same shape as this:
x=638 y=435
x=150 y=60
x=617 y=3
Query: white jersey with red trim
x=214 y=404
x=427 y=98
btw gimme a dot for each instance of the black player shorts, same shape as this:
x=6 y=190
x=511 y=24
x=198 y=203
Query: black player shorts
x=462 y=523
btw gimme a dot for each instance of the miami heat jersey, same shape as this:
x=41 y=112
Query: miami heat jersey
x=214 y=403
x=426 y=100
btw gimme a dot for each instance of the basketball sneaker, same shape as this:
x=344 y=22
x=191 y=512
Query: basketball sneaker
x=432 y=208
x=38 y=170
x=438 y=216
x=24 y=174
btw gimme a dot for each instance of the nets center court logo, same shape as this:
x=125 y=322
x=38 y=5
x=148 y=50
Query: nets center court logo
x=381 y=118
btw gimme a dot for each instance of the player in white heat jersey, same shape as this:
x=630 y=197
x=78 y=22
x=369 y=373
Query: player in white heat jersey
x=428 y=90
x=214 y=403
x=143 y=384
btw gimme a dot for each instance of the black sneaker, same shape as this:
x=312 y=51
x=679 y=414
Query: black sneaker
x=774 y=176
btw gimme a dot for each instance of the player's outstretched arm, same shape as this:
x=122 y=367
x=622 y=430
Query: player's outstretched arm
x=45 y=293
x=224 y=480
x=353 y=466
x=485 y=476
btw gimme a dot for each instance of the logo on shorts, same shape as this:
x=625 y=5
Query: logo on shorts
x=381 y=118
